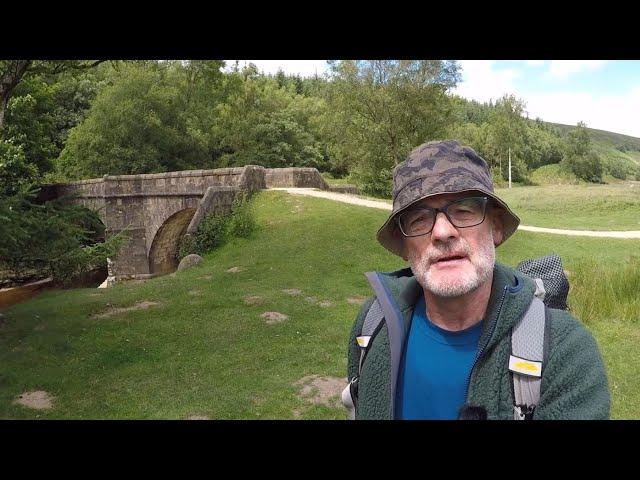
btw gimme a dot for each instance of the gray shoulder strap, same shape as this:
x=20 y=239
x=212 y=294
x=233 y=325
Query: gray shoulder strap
x=371 y=321
x=525 y=362
x=373 y=318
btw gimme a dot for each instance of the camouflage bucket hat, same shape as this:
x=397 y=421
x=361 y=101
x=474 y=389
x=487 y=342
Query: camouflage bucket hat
x=440 y=167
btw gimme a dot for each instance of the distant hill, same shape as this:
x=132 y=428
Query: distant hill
x=620 y=153
x=623 y=143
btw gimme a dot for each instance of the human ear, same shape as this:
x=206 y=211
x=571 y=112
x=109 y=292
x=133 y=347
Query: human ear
x=497 y=226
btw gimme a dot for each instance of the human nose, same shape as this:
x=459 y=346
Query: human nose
x=443 y=229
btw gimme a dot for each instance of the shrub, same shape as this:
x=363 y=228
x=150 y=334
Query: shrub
x=216 y=229
x=212 y=232
x=377 y=183
x=587 y=167
x=241 y=222
x=618 y=167
x=83 y=259
x=57 y=238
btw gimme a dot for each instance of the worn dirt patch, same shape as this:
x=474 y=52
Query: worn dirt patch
x=235 y=270
x=356 y=300
x=321 y=390
x=311 y=299
x=253 y=300
x=40 y=400
x=195 y=293
x=294 y=292
x=205 y=277
x=274 y=317
x=111 y=311
x=197 y=417
x=326 y=303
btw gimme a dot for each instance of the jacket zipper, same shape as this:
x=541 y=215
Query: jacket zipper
x=493 y=327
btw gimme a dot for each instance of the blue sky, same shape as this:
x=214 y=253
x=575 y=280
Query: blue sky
x=603 y=94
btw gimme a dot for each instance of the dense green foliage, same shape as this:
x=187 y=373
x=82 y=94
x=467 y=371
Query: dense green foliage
x=57 y=238
x=381 y=109
x=216 y=229
x=359 y=120
x=67 y=120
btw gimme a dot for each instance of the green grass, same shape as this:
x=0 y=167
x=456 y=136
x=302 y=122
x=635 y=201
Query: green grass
x=554 y=175
x=210 y=354
x=581 y=207
x=337 y=181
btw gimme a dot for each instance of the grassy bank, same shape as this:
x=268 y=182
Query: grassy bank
x=201 y=350
x=584 y=207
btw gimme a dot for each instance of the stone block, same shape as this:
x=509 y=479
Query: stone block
x=189 y=261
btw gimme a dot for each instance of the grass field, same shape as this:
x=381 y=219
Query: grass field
x=582 y=207
x=577 y=206
x=202 y=351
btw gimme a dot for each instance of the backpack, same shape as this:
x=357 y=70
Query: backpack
x=529 y=338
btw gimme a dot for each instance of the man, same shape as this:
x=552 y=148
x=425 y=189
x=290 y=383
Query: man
x=445 y=352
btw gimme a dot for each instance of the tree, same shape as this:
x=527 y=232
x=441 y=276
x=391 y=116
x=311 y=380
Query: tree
x=578 y=140
x=57 y=238
x=141 y=123
x=12 y=72
x=384 y=108
x=265 y=122
x=580 y=157
x=15 y=172
x=507 y=134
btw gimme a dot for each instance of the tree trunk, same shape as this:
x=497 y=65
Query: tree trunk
x=10 y=76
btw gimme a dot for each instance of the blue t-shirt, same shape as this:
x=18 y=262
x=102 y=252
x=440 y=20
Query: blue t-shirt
x=434 y=369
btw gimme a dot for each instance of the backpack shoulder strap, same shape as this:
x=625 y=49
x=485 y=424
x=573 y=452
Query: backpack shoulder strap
x=372 y=321
x=525 y=361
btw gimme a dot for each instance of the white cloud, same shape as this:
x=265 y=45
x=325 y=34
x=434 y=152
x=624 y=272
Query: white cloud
x=561 y=69
x=304 y=68
x=614 y=113
x=481 y=82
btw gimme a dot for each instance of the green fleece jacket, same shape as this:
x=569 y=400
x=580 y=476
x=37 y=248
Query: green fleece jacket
x=574 y=382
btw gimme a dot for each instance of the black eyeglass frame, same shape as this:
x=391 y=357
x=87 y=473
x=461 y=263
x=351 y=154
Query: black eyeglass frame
x=485 y=202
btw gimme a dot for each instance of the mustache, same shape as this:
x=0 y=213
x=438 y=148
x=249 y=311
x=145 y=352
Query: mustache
x=458 y=248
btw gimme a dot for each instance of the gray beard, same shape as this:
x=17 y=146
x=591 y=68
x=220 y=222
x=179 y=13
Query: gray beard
x=482 y=260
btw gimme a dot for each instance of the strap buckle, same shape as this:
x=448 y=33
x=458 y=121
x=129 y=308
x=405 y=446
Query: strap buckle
x=523 y=412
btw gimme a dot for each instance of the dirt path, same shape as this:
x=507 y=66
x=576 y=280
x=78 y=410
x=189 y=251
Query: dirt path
x=386 y=205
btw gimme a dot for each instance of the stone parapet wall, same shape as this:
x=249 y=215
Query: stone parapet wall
x=295 y=177
x=253 y=179
x=216 y=199
x=194 y=182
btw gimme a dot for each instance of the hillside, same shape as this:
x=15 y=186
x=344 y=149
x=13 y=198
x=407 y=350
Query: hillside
x=611 y=145
x=615 y=140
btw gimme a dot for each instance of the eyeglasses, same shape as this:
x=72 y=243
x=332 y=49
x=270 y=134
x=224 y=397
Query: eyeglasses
x=463 y=213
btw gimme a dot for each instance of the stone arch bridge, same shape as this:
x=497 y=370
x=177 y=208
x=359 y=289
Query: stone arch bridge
x=158 y=209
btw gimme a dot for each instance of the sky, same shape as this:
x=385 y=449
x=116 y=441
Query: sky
x=603 y=94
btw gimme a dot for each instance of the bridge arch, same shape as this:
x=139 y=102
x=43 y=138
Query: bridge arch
x=162 y=254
